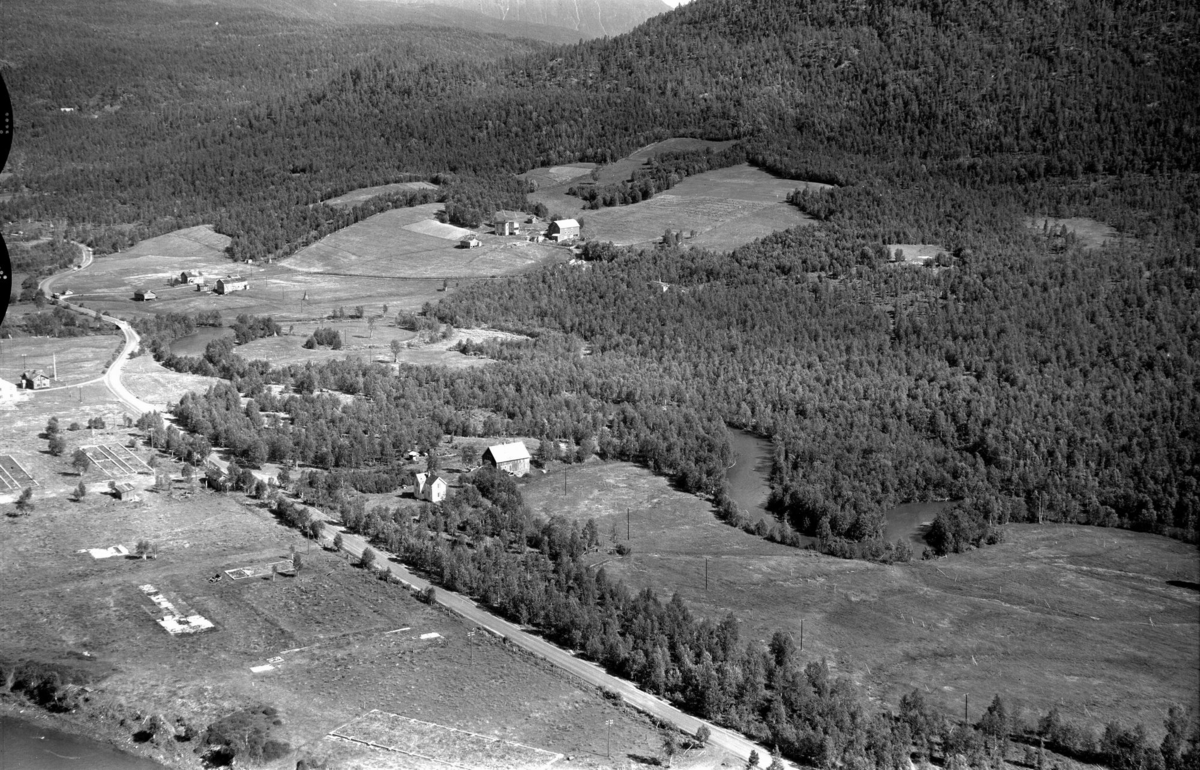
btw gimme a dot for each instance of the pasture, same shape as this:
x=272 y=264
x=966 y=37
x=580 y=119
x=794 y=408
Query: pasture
x=363 y=194
x=622 y=170
x=78 y=359
x=1079 y=617
x=410 y=243
x=726 y=208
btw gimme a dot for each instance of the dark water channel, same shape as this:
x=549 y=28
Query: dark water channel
x=748 y=487
x=28 y=746
x=195 y=343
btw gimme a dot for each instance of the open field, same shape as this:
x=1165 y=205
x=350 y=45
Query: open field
x=1058 y=615
x=354 y=197
x=411 y=243
x=916 y=253
x=339 y=642
x=79 y=359
x=622 y=170
x=1091 y=234
x=22 y=424
x=554 y=176
x=726 y=208
x=155 y=384
x=275 y=289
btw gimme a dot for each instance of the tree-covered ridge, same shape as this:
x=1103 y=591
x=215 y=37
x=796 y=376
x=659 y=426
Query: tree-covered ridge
x=1076 y=86
x=1011 y=89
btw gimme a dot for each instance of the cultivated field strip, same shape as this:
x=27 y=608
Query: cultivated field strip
x=438 y=743
x=115 y=460
x=13 y=475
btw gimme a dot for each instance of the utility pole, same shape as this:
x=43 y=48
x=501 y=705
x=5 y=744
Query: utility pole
x=608 y=739
x=706 y=574
x=966 y=702
x=802 y=634
x=626 y=525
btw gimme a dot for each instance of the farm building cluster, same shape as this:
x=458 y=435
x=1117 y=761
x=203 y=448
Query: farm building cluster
x=507 y=224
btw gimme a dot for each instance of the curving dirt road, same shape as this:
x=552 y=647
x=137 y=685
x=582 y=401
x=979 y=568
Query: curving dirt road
x=112 y=375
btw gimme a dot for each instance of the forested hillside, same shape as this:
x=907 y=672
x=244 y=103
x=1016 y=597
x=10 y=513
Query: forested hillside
x=1034 y=378
x=272 y=115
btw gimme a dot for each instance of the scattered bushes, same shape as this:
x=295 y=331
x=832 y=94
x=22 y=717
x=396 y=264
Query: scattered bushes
x=245 y=735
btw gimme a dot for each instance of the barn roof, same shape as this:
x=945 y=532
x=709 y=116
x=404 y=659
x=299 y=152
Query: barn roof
x=503 y=453
x=566 y=223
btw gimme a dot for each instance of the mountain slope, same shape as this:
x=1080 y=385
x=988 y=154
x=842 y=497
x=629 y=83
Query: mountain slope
x=591 y=18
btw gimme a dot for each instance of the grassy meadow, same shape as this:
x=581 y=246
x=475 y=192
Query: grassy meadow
x=1079 y=617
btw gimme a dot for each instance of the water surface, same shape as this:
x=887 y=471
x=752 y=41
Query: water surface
x=29 y=746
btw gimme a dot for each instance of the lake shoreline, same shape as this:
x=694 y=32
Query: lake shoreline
x=81 y=725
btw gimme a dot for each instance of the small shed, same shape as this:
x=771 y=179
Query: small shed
x=193 y=276
x=144 y=295
x=511 y=458
x=563 y=230
x=430 y=487
x=470 y=243
x=124 y=490
x=231 y=283
x=35 y=379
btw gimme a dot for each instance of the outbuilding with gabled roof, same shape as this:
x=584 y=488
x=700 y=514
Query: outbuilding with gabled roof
x=511 y=458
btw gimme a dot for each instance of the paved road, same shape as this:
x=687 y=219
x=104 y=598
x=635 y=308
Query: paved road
x=728 y=740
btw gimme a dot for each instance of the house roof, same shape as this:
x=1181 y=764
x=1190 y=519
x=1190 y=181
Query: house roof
x=503 y=453
x=31 y=373
x=229 y=278
x=124 y=486
x=566 y=223
x=193 y=272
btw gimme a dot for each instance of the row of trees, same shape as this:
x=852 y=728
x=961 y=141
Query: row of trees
x=483 y=541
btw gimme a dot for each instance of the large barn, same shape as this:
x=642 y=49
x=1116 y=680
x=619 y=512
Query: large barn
x=512 y=458
x=563 y=230
x=232 y=283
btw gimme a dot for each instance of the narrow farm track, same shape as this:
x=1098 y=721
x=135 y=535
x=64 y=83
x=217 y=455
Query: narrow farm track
x=587 y=671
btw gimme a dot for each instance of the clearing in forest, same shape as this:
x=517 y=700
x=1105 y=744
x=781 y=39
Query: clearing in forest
x=355 y=197
x=412 y=243
x=1091 y=234
x=725 y=208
